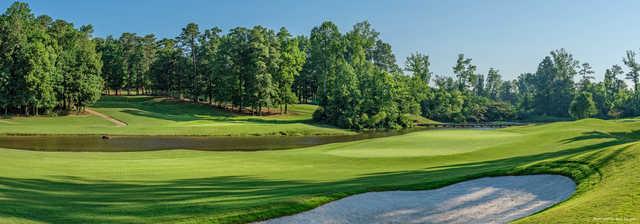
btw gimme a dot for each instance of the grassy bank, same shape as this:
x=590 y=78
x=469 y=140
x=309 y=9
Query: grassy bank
x=181 y=186
x=161 y=116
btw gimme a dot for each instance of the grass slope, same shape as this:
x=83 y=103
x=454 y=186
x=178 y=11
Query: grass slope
x=160 y=116
x=181 y=186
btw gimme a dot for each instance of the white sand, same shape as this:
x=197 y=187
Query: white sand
x=484 y=200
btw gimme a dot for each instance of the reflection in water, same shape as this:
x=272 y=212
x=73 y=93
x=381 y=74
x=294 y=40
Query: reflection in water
x=95 y=143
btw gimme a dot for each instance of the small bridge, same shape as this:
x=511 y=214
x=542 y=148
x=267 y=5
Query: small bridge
x=470 y=125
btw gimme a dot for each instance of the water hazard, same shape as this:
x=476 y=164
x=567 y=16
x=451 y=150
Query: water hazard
x=96 y=143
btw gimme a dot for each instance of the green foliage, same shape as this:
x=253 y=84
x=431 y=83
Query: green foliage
x=361 y=89
x=469 y=97
x=630 y=104
x=418 y=64
x=582 y=106
x=634 y=69
x=465 y=73
x=210 y=44
x=46 y=64
x=290 y=64
x=444 y=105
x=614 y=89
x=112 y=73
x=165 y=71
x=586 y=76
x=354 y=77
x=494 y=88
x=554 y=84
x=189 y=42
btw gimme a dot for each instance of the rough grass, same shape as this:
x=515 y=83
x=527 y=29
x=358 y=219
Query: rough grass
x=181 y=186
x=160 y=116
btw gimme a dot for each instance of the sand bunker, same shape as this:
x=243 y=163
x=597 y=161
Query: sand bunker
x=484 y=200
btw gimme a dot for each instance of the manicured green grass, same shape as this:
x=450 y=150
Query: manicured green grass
x=160 y=116
x=423 y=120
x=180 y=186
x=442 y=142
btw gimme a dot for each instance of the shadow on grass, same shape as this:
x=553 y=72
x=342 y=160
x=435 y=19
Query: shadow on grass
x=163 y=109
x=68 y=199
x=622 y=137
x=171 y=110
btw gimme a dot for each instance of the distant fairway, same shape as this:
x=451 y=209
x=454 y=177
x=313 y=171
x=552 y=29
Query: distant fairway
x=161 y=116
x=432 y=143
x=182 y=186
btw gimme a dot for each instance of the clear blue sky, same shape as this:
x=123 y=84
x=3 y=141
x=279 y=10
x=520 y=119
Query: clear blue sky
x=511 y=35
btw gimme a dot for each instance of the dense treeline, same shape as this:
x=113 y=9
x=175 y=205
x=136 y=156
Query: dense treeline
x=353 y=76
x=549 y=93
x=355 y=79
x=246 y=68
x=45 y=64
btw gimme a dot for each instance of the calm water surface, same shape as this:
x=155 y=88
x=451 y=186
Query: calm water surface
x=95 y=143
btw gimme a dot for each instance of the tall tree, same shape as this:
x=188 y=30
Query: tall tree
x=383 y=57
x=508 y=92
x=226 y=74
x=258 y=79
x=147 y=49
x=613 y=89
x=582 y=106
x=479 y=85
x=26 y=61
x=210 y=43
x=235 y=52
x=130 y=56
x=543 y=85
x=634 y=69
x=292 y=58
x=305 y=85
x=493 y=84
x=188 y=39
x=79 y=64
x=565 y=70
x=554 y=84
x=166 y=75
x=465 y=73
x=418 y=64
x=586 y=76
x=326 y=51
x=526 y=85
x=111 y=56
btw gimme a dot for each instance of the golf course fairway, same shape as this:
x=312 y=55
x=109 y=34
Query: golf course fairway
x=147 y=115
x=186 y=186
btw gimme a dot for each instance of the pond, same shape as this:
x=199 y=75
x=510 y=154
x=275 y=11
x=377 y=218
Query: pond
x=95 y=143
